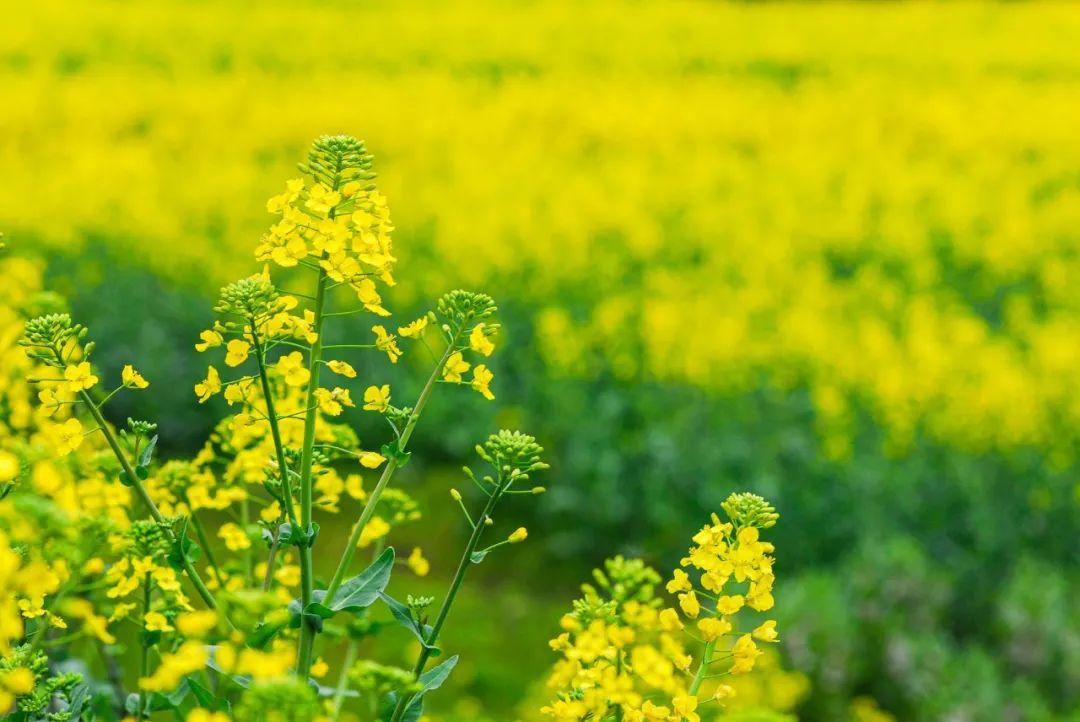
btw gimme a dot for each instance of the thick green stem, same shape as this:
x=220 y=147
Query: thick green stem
x=144 y=495
x=307 y=578
x=384 y=480
x=699 y=677
x=451 y=594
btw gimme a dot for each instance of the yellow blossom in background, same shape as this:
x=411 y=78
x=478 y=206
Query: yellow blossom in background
x=132 y=378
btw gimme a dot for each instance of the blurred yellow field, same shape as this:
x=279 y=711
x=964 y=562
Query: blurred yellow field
x=811 y=183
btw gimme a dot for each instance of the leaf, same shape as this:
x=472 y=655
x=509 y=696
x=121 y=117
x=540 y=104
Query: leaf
x=430 y=681
x=361 y=591
x=405 y=618
x=202 y=694
x=147 y=454
x=477 y=557
x=183 y=549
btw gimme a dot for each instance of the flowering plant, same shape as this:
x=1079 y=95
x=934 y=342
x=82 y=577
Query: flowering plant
x=203 y=572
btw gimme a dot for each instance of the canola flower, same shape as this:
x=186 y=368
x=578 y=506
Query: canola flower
x=626 y=655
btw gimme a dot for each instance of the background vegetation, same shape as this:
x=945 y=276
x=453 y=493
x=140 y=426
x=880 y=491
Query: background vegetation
x=824 y=252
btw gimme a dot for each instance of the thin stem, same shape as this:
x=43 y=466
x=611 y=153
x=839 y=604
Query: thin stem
x=144 y=495
x=307 y=631
x=388 y=473
x=201 y=533
x=444 y=610
x=343 y=680
x=271 y=558
x=275 y=431
x=144 y=656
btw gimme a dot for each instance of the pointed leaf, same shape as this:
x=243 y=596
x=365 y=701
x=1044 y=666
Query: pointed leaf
x=362 y=590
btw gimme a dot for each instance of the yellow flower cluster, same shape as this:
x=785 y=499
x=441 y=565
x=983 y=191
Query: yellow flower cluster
x=623 y=653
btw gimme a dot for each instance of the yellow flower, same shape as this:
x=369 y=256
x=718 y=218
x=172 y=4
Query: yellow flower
x=197 y=623
x=684 y=706
x=69 y=435
x=455 y=366
x=679 y=583
x=331 y=402
x=729 y=605
x=342 y=368
x=481 y=381
x=371 y=459
x=9 y=466
x=377 y=398
x=479 y=342
x=132 y=378
x=156 y=622
x=669 y=620
x=17 y=681
x=79 y=377
x=724 y=691
x=236 y=352
x=712 y=628
x=386 y=343
x=518 y=535
x=415 y=329
x=291 y=366
x=766 y=632
x=689 y=604
x=319 y=668
x=235 y=537
x=745 y=653
x=376 y=528
x=204 y=715
x=208 y=386
x=419 y=566
x=210 y=339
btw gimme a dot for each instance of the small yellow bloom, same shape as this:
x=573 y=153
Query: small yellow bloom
x=419 y=566
x=519 y=535
x=414 y=329
x=236 y=352
x=684 y=706
x=156 y=622
x=456 y=365
x=9 y=466
x=371 y=459
x=17 y=681
x=729 y=605
x=712 y=628
x=479 y=342
x=341 y=368
x=132 y=379
x=235 y=537
x=669 y=620
x=79 y=377
x=679 y=583
x=69 y=436
x=319 y=668
x=766 y=632
x=377 y=398
x=481 y=381
x=689 y=604
x=376 y=528
x=208 y=386
x=723 y=692
x=197 y=623
x=386 y=343
x=210 y=339
x=291 y=366
x=204 y=715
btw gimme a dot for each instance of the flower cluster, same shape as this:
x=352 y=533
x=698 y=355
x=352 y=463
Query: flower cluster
x=623 y=652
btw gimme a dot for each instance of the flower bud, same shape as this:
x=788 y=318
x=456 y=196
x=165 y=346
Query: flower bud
x=519 y=535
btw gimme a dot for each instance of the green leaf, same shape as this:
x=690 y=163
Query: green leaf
x=405 y=618
x=147 y=454
x=183 y=548
x=430 y=681
x=362 y=590
x=477 y=557
x=204 y=696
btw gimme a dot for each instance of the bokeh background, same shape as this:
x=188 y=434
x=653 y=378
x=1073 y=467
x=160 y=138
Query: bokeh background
x=826 y=252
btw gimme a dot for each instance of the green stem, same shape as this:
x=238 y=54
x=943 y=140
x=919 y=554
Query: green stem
x=307 y=632
x=343 y=680
x=384 y=480
x=455 y=585
x=275 y=431
x=201 y=533
x=144 y=495
x=144 y=660
x=699 y=676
